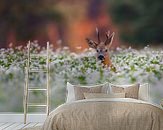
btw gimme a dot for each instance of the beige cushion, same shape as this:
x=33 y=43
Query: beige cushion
x=103 y=95
x=79 y=91
x=131 y=91
x=71 y=91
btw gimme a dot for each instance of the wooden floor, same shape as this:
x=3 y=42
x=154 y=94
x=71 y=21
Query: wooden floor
x=17 y=126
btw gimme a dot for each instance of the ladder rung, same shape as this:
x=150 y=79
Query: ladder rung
x=38 y=55
x=37 y=89
x=36 y=105
x=37 y=70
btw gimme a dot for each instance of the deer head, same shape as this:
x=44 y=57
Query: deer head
x=102 y=47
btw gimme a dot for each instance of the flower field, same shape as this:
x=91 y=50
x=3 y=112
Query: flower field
x=145 y=65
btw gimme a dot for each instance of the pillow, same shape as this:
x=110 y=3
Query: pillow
x=71 y=91
x=79 y=91
x=103 y=95
x=161 y=102
x=144 y=92
x=132 y=91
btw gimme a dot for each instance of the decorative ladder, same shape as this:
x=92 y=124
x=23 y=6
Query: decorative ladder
x=28 y=70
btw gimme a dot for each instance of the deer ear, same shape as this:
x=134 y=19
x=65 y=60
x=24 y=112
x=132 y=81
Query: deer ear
x=91 y=43
x=109 y=39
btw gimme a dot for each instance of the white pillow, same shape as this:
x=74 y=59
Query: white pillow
x=144 y=92
x=71 y=93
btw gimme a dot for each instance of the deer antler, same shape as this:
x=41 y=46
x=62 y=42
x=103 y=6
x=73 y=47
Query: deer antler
x=109 y=38
x=98 y=34
x=91 y=43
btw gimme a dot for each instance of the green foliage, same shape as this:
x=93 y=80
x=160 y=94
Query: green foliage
x=131 y=65
x=139 y=21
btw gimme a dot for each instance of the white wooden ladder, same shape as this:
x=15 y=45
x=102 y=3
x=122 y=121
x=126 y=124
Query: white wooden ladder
x=27 y=89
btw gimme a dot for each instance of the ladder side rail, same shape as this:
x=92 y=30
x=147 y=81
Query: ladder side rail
x=26 y=83
x=48 y=67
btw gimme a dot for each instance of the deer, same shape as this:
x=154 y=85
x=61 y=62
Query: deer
x=102 y=48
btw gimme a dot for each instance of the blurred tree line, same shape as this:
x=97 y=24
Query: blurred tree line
x=25 y=18
x=139 y=21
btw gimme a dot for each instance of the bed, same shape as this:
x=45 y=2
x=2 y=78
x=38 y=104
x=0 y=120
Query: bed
x=96 y=113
